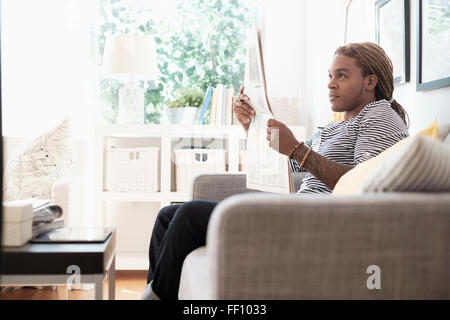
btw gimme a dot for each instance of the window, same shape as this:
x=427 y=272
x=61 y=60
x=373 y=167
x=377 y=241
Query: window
x=199 y=43
x=52 y=51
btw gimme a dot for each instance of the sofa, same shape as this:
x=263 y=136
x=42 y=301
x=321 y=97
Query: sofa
x=272 y=246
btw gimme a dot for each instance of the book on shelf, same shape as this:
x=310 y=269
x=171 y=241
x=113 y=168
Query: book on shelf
x=267 y=169
x=219 y=104
x=223 y=118
x=205 y=106
x=229 y=107
x=212 y=117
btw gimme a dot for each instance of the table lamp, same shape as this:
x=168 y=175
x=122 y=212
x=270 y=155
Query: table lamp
x=133 y=56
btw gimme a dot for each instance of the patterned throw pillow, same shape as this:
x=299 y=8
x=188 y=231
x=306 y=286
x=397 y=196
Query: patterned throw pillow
x=33 y=168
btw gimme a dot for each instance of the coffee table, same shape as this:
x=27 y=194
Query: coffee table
x=60 y=263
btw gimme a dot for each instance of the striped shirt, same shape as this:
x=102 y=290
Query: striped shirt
x=350 y=142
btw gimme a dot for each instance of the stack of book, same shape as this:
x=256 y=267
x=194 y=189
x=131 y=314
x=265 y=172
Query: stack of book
x=217 y=108
x=46 y=217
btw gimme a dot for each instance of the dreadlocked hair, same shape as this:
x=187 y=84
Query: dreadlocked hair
x=372 y=59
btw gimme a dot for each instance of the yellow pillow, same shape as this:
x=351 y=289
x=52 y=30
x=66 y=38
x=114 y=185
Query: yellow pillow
x=352 y=181
x=431 y=131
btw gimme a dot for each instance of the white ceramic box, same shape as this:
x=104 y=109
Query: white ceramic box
x=17 y=222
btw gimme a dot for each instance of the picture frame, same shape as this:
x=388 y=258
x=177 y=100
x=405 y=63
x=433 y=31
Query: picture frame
x=392 y=33
x=433 y=63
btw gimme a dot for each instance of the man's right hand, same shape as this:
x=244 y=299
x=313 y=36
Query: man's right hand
x=244 y=113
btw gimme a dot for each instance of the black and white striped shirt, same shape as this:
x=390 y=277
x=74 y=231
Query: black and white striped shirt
x=373 y=130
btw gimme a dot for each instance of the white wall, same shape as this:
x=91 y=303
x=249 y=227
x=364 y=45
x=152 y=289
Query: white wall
x=318 y=36
x=422 y=107
x=282 y=31
x=324 y=32
x=47 y=70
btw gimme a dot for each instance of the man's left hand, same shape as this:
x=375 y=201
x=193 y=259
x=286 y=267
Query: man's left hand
x=280 y=137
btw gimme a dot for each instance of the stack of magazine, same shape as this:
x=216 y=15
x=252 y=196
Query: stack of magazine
x=46 y=217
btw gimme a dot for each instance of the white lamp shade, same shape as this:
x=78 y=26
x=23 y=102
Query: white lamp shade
x=130 y=54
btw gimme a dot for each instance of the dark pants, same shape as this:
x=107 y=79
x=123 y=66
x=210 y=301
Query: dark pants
x=178 y=230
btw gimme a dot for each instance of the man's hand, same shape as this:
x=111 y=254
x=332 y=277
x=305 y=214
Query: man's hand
x=280 y=137
x=244 y=113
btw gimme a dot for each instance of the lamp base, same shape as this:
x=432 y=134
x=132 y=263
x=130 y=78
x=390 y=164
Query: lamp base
x=131 y=104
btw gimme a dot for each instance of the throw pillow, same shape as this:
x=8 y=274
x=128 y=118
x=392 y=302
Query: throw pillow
x=417 y=163
x=33 y=168
x=432 y=130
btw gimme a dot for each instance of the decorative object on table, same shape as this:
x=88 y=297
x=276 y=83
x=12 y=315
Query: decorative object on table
x=205 y=106
x=133 y=56
x=17 y=222
x=433 y=46
x=33 y=168
x=392 y=34
x=184 y=109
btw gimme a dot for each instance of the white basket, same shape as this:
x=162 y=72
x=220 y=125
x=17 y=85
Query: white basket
x=191 y=162
x=132 y=169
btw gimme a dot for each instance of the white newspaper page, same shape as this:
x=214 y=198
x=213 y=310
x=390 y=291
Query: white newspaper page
x=254 y=80
x=267 y=169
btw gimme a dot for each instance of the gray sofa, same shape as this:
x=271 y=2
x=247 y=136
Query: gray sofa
x=269 y=246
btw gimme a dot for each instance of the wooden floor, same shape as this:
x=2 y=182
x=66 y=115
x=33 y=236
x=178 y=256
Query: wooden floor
x=129 y=286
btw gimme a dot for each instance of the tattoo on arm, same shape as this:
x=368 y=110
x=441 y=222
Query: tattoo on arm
x=324 y=169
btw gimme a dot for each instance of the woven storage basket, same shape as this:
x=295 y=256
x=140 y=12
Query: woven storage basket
x=191 y=162
x=132 y=169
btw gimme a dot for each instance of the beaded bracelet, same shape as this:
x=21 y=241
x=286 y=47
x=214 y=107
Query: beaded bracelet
x=305 y=157
x=297 y=145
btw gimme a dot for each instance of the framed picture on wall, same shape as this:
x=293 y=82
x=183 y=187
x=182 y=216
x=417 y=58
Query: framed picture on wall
x=433 y=45
x=392 y=34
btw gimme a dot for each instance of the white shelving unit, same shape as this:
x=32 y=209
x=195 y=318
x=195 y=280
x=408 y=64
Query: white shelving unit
x=167 y=138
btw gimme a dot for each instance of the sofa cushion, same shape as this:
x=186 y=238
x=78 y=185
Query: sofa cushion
x=432 y=131
x=444 y=133
x=194 y=281
x=417 y=163
x=33 y=168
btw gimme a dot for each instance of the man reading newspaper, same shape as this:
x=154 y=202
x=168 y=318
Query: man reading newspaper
x=361 y=85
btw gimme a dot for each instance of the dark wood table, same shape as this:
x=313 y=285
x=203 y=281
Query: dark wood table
x=61 y=263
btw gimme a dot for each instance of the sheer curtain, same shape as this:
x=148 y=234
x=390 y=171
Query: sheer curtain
x=49 y=73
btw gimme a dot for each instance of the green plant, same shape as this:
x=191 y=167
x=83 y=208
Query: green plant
x=187 y=97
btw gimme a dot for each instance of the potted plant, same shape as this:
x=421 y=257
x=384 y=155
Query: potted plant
x=184 y=109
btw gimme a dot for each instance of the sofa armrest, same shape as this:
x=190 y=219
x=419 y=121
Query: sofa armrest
x=218 y=186
x=264 y=246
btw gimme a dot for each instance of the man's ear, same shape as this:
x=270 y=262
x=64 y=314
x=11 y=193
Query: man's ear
x=371 y=82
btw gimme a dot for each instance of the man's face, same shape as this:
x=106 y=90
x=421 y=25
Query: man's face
x=346 y=84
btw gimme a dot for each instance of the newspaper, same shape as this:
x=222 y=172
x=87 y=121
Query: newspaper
x=46 y=217
x=267 y=169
